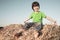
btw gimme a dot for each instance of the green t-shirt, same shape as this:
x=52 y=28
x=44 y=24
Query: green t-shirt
x=37 y=16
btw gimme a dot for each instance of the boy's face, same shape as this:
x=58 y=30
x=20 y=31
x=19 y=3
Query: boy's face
x=36 y=8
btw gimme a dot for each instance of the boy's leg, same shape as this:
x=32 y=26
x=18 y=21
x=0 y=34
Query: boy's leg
x=38 y=29
x=28 y=25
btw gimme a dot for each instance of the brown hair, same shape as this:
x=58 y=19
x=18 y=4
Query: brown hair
x=35 y=4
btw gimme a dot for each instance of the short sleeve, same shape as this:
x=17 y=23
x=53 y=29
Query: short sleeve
x=43 y=15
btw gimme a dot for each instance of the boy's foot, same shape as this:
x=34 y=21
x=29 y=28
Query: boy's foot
x=39 y=33
x=36 y=34
x=18 y=34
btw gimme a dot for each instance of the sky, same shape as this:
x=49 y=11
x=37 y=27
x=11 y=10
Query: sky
x=16 y=11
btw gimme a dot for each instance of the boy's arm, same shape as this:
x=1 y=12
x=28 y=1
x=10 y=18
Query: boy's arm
x=30 y=17
x=26 y=20
x=50 y=19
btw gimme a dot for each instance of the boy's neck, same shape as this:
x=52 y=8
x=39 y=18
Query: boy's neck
x=36 y=11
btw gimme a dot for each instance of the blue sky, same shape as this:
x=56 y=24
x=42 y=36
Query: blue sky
x=16 y=11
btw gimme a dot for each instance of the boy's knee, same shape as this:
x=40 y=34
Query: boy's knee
x=39 y=28
x=28 y=25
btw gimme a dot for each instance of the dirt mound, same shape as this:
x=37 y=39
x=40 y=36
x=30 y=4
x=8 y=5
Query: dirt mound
x=16 y=32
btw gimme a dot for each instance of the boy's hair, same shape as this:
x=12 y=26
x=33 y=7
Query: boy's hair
x=35 y=4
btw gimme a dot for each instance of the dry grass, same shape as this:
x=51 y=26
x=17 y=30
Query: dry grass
x=16 y=32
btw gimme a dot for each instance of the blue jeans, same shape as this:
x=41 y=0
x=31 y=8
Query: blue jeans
x=30 y=24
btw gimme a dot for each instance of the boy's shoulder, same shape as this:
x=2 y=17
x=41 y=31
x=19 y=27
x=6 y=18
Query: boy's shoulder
x=41 y=12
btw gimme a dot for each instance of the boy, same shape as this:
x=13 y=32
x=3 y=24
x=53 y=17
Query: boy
x=37 y=17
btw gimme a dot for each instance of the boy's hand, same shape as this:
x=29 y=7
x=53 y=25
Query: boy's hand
x=25 y=21
x=55 y=23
